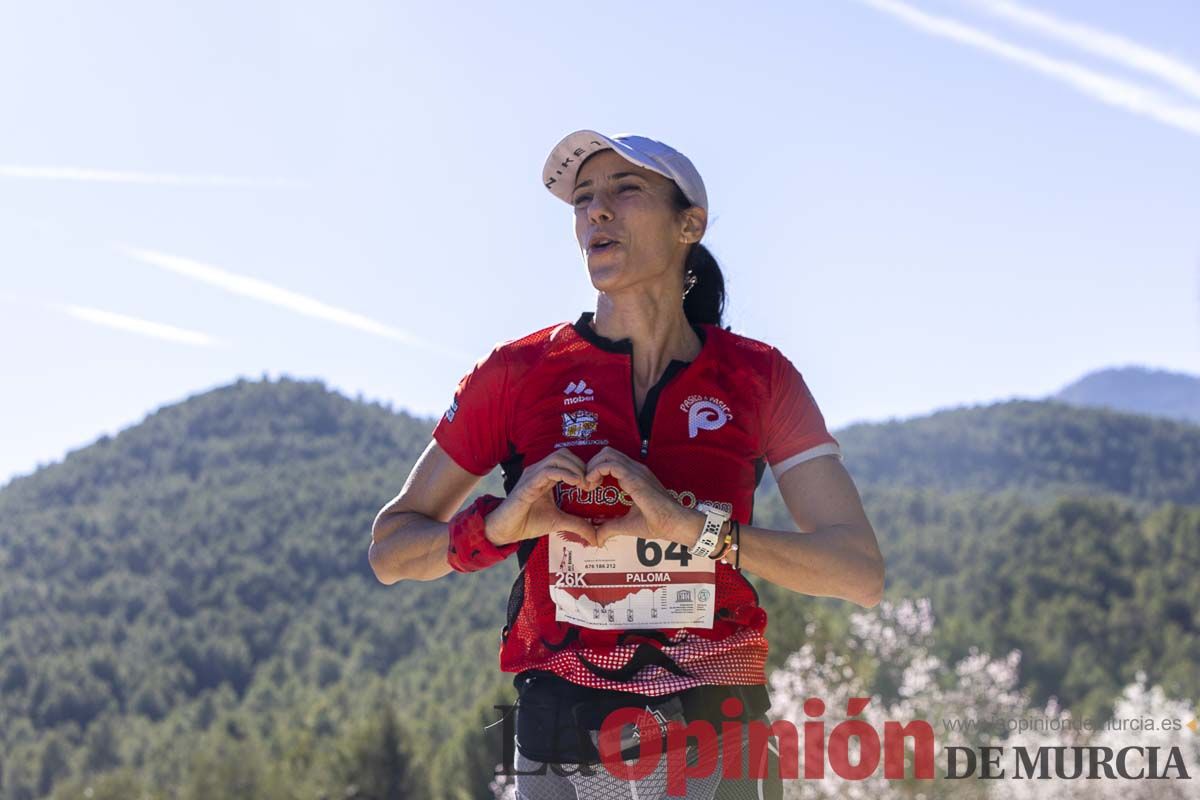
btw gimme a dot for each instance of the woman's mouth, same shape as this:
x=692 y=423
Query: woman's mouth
x=603 y=246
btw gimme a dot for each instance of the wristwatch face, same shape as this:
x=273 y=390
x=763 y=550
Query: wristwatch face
x=705 y=508
x=714 y=520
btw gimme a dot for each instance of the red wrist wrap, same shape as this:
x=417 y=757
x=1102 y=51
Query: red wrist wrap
x=470 y=549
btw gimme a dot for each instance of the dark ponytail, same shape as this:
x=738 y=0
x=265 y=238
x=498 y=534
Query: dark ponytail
x=704 y=301
x=703 y=283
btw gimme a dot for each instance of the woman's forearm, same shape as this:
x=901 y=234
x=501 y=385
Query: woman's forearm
x=834 y=561
x=406 y=545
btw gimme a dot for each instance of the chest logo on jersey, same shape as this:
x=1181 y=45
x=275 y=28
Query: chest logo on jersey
x=578 y=392
x=579 y=425
x=705 y=413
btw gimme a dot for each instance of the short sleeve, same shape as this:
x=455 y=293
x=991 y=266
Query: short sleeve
x=794 y=427
x=474 y=430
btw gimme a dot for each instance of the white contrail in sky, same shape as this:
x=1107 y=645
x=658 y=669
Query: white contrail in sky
x=146 y=178
x=155 y=330
x=277 y=296
x=1131 y=97
x=1118 y=49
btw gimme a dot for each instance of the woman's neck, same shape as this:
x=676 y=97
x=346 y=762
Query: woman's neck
x=657 y=327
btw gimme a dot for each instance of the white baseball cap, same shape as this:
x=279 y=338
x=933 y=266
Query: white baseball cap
x=569 y=154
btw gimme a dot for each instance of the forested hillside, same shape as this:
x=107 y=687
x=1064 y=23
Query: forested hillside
x=1042 y=449
x=186 y=609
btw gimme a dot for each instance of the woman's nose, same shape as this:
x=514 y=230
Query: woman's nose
x=598 y=209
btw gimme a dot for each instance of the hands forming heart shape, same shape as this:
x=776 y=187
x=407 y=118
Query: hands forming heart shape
x=530 y=509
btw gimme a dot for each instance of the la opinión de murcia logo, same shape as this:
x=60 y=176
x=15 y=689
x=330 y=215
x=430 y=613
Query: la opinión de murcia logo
x=685 y=762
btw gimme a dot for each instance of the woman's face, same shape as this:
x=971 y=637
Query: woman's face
x=627 y=226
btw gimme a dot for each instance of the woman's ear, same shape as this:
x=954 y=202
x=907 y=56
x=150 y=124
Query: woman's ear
x=695 y=221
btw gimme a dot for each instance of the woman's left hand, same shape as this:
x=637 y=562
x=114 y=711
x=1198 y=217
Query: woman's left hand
x=655 y=514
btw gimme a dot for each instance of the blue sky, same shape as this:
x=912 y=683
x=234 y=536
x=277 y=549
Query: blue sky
x=924 y=204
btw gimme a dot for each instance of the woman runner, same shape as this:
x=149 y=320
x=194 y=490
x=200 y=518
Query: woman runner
x=631 y=442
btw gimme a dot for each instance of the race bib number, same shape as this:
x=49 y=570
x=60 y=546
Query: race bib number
x=630 y=583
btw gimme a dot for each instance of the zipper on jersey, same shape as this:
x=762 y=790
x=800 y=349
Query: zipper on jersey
x=645 y=419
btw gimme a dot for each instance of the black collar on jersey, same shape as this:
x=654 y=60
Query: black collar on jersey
x=586 y=332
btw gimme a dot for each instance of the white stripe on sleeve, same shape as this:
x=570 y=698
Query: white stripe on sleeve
x=827 y=449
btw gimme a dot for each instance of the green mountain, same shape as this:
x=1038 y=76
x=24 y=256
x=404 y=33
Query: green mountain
x=1138 y=390
x=187 y=607
x=213 y=558
x=1041 y=449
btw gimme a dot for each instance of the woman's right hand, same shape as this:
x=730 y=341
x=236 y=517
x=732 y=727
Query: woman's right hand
x=530 y=511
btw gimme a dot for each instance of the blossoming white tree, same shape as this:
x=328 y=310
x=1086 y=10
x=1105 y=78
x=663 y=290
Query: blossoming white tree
x=973 y=703
x=905 y=682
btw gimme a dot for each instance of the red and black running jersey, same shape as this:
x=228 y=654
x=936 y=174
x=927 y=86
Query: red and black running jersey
x=707 y=430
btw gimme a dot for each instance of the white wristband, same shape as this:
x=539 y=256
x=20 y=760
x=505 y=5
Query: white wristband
x=714 y=520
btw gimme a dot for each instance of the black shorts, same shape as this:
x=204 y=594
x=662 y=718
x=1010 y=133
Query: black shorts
x=557 y=726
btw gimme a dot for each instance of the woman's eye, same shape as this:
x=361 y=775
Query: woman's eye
x=583 y=198
x=627 y=187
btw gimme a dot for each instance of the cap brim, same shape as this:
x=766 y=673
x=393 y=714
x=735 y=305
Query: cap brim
x=565 y=159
